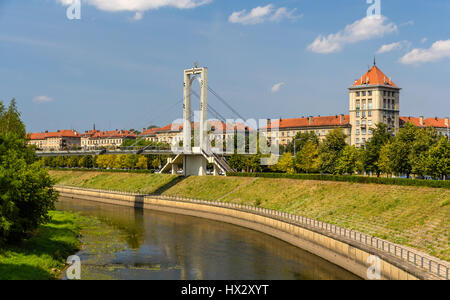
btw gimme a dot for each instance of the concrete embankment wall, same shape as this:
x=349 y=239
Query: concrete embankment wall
x=350 y=250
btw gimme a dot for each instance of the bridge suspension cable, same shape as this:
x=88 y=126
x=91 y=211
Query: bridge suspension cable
x=221 y=99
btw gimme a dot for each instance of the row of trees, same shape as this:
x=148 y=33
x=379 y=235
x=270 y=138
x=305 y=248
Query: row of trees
x=118 y=162
x=419 y=151
x=26 y=189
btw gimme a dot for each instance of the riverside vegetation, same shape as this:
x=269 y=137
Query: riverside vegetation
x=418 y=217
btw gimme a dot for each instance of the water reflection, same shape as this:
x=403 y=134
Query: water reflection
x=159 y=245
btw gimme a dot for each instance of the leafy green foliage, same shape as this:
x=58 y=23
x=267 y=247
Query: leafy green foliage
x=26 y=189
x=348 y=178
x=330 y=150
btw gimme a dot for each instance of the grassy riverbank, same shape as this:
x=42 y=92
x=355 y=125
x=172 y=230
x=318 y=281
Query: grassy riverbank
x=43 y=256
x=413 y=216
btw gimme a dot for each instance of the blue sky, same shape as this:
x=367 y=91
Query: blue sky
x=122 y=66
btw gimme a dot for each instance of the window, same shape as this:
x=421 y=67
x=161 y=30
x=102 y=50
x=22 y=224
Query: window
x=357 y=140
x=384 y=93
x=370 y=93
x=370 y=104
x=363 y=94
x=370 y=122
x=370 y=131
x=358 y=132
x=363 y=130
x=358 y=123
x=369 y=113
x=384 y=103
x=364 y=122
x=363 y=114
x=364 y=105
x=357 y=113
x=358 y=94
x=358 y=104
x=363 y=140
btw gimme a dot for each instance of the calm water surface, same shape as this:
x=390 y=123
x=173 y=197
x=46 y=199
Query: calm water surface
x=145 y=244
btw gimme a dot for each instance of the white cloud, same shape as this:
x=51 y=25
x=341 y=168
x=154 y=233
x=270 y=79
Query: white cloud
x=365 y=29
x=424 y=40
x=394 y=46
x=439 y=50
x=42 y=99
x=263 y=14
x=276 y=87
x=139 y=6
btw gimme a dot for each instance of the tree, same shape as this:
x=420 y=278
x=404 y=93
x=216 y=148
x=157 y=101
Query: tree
x=346 y=163
x=384 y=161
x=424 y=140
x=156 y=163
x=402 y=149
x=438 y=160
x=26 y=189
x=300 y=140
x=120 y=162
x=307 y=160
x=286 y=164
x=330 y=150
x=142 y=163
x=237 y=162
x=381 y=136
x=72 y=162
x=86 y=162
x=10 y=121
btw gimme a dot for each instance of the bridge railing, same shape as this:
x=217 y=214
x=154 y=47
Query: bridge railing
x=414 y=257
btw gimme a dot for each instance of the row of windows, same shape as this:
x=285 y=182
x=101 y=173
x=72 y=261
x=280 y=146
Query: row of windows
x=365 y=104
x=369 y=93
x=363 y=114
x=364 y=122
x=358 y=141
x=363 y=93
x=388 y=104
x=364 y=131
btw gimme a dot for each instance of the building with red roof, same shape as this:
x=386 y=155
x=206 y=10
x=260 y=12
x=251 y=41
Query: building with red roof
x=96 y=139
x=55 y=141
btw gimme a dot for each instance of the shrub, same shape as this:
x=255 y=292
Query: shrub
x=350 y=178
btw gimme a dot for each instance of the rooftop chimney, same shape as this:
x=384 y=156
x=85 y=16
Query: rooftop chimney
x=341 y=121
x=446 y=122
x=421 y=121
x=310 y=120
x=269 y=123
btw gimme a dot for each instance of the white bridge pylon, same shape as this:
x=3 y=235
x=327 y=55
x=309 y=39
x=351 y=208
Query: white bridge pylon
x=195 y=159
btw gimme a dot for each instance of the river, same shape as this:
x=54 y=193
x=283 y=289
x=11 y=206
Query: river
x=146 y=244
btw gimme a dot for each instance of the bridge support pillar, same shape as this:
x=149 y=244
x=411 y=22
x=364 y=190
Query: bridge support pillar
x=216 y=170
x=174 y=169
x=194 y=165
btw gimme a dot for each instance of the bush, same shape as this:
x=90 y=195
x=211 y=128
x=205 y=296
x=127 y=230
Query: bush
x=349 y=178
x=26 y=190
x=105 y=170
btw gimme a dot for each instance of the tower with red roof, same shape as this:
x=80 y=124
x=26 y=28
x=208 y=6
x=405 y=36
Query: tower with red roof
x=374 y=98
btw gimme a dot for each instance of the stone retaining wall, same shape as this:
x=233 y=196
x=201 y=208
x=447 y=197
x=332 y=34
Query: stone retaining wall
x=341 y=250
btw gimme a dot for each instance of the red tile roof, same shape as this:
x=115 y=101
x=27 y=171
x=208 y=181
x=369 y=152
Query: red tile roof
x=433 y=122
x=58 y=134
x=113 y=134
x=314 y=122
x=216 y=124
x=374 y=77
